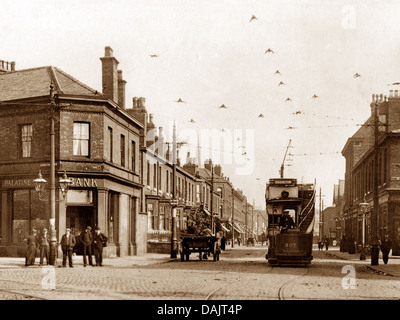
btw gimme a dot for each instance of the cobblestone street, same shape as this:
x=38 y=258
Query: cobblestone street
x=242 y=273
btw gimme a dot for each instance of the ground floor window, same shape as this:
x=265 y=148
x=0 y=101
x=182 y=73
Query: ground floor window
x=28 y=212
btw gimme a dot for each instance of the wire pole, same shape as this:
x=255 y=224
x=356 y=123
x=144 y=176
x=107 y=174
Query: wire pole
x=375 y=212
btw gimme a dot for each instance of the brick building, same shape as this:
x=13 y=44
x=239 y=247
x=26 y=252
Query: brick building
x=359 y=182
x=96 y=144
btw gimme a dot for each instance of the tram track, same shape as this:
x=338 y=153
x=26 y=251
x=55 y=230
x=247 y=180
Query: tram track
x=18 y=291
x=213 y=292
x=295 y=278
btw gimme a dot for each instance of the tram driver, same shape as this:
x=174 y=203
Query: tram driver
x=286 y=221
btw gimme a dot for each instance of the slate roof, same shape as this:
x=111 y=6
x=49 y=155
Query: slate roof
x=31 y=83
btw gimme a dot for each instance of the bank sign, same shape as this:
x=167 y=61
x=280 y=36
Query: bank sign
x=26 y=183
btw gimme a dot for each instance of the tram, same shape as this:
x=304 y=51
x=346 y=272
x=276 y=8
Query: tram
x=291 y=214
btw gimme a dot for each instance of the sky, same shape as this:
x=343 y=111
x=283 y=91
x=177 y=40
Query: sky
x=210 y=53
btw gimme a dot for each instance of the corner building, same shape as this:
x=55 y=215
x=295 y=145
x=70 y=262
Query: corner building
x=96 y=145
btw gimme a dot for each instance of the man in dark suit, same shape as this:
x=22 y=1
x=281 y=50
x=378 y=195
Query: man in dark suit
x=67 y=245
x=44 y=245
x=99 y=241
x=86 y=238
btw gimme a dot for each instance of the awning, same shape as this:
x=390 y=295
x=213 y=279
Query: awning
x=224 y=228
x=237 y=227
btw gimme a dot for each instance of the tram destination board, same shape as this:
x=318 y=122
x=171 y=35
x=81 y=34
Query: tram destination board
x=283 y=182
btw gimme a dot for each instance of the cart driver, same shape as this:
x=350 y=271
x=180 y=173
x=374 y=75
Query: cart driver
x=286 y=221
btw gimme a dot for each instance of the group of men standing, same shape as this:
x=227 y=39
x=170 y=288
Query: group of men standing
x=89 y=240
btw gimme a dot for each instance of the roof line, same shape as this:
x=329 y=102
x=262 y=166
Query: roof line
x=78 y=82
x=54 y=78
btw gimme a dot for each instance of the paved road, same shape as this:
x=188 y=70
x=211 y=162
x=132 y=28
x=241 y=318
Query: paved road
x=241 y=273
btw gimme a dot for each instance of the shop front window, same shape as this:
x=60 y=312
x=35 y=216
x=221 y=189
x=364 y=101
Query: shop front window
x=28 y=213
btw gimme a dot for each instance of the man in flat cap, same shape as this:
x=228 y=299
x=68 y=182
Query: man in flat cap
x=67 y=245
x=44 y=245
x=99 y=242
x=86 y=238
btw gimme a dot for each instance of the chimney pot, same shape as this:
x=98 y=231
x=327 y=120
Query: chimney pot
x=396 y=93
x=108 y=52
x=391 y=93
x=142 y=102
x=135 y=102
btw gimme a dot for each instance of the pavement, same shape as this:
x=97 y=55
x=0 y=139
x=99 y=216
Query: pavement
x=120 y=262
x=390 y=269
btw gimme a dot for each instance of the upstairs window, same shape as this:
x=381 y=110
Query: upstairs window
x=122 y=146
x=26 y=140
x=81 y=139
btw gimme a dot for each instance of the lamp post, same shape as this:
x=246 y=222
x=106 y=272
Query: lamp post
x=233 y=216
x=64 y=183
x=211 y=199
x=174 y=202
x=363 y=207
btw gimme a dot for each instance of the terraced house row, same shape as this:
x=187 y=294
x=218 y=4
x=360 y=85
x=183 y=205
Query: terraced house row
x=120 y=179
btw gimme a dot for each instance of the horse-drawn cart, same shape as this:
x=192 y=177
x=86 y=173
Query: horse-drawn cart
x=204 y=245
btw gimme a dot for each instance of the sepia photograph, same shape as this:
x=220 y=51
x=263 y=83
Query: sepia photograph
x=199 y=158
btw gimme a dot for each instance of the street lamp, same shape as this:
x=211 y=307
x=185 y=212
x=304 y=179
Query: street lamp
x=39 y=183
x=64 y=183
x=363 y=207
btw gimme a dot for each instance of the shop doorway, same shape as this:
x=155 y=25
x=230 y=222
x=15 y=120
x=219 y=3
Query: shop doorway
x=77 y=219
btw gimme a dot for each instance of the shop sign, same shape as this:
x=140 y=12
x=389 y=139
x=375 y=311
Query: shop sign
x=83 y=182
x=17 y=183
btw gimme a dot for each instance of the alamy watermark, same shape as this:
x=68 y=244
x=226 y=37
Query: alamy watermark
x=349 y=17
x=224 y=147
x=349 y=280
x=49 y=278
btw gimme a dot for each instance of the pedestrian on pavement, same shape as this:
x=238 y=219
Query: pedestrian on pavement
x=67 y=246
x=99 y=242
x=386 y=246
x=86 y=238
x=343 y=244
x=320 y=245
x=326 y=243
x=32 y=242
x=223 y=242
x=44 y=246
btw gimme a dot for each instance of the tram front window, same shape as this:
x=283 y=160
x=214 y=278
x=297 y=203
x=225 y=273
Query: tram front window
x=286 y=221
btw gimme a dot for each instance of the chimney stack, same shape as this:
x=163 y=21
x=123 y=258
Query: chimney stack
x=208 y=164
x=6 y=66
x=121 y=90
x=110 y=75
x=218 y=170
